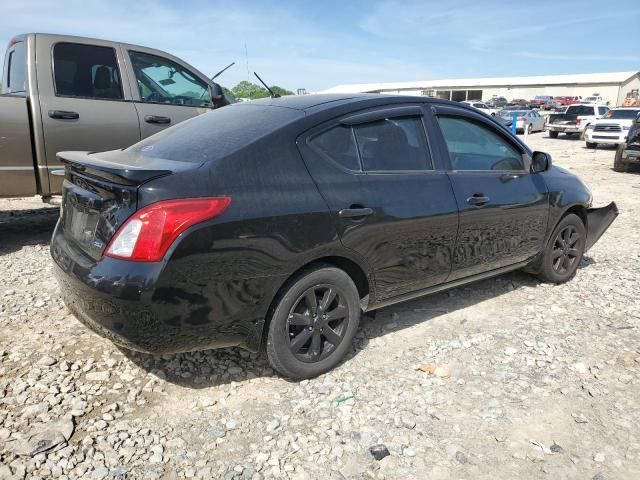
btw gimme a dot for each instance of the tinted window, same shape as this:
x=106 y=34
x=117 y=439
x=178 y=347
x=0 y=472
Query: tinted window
x=473 y=146
x=602 y=110
x=86 y=71
x=622 y=114
x=162 y=81
x=580 y=110
x=339 y=145
x=395 y=144
x=15 y=70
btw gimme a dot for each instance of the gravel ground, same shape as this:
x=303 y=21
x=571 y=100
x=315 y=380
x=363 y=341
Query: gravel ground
x=504 y=378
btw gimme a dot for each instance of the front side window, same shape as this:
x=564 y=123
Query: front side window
x=393 y=144
x=473 y=146
x=162 y=81
x=87 y=71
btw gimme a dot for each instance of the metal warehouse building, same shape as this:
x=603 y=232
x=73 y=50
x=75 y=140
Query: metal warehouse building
x=613 y=87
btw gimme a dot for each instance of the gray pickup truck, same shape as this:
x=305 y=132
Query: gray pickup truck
x=71 y=93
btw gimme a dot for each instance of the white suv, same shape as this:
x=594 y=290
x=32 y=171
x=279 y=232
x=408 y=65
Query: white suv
x=613 y=128
x=480 y=105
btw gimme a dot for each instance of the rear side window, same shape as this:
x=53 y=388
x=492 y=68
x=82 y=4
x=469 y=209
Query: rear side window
x=15 y=76
x=393 y=144
x=473 y=146
x=338 y=144
x=87 y=71
x=602 y=110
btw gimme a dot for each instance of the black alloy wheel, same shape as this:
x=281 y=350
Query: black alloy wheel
x=564 y=251
x=565 y=254
x=312 y=326
x=317 y=323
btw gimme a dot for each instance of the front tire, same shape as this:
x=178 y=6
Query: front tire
x=553 y=134
x=564 y=251
x=592 y=145
x=618 y=164
x=313 y=324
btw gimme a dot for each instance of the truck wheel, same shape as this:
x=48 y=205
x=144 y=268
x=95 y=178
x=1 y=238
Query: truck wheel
x=592 y=145
x=553 y=134
x=618 y=164
x=564 y=251
x=313 y=324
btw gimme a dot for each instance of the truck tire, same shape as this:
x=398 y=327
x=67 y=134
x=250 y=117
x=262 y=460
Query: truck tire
x=592 y=145
x=553 y=134
x=618 y=164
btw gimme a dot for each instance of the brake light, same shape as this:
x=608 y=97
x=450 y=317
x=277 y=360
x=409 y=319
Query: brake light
x=578 y=121
x=147 y=235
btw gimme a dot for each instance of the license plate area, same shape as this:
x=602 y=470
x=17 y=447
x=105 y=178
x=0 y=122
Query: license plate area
x=81 y=213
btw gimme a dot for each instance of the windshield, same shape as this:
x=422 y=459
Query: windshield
x=622 y=114
x=580 y=110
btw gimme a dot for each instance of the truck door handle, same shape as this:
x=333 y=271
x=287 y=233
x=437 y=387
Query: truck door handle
x=478 y=200
x=157 y=119
x=355 y=212
x=64 y=115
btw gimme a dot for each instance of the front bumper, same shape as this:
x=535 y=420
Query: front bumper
x=598 y=137
x=598 y=220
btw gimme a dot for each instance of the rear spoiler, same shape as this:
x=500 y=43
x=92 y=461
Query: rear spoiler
x=120 y=166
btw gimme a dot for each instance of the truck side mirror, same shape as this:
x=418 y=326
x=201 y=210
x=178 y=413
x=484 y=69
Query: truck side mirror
x=540 y=162
x=218 y=98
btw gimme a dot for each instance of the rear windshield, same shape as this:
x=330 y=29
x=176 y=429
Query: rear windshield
x=215 y=134
x=580 y=110
x=622 y=114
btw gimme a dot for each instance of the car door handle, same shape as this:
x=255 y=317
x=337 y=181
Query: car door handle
x=355 y=212
x=478 y=200
x=64 y=115
x=157 y=119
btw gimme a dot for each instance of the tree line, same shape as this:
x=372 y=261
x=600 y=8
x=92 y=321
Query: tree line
x=246 y=89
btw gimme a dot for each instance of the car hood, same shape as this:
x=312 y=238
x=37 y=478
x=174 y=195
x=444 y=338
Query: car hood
x=624 y=122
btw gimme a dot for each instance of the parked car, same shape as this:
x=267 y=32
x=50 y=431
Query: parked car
x=87 y=94
x=541 y=101
x=575 y=120
x=528 y=120
x=257 y=223
x=519 y=102
x=567 y=100
x=483 y=107
x=596 y=99
x=497 y=102
x=628 y=153
x=613 y=128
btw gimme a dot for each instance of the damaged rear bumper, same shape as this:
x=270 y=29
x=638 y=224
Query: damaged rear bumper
x=598 y=220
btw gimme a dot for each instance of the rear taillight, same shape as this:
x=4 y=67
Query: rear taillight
x=578 y=121
x=147 y=234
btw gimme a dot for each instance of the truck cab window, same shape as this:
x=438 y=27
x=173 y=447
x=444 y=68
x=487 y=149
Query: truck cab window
x=162 y=81
x=15 y=69
x=87 y=71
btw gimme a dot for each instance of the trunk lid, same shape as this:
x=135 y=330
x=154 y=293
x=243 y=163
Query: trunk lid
x=100 y=191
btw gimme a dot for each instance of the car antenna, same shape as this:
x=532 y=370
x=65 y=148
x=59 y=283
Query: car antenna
x=222 y=71
x=273 y=95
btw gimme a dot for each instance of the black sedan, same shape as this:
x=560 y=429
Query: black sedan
x=275 y=223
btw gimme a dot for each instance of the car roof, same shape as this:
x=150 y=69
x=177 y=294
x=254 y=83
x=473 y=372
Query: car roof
x=304 y=102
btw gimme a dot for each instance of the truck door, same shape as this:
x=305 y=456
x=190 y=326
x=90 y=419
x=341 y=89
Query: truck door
x=166 y=91
x=85 y=103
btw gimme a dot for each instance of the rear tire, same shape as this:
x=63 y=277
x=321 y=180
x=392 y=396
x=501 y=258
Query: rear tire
x=562 y=256
x=618 y=164
x=553 y=134
x=592 y=145
x=313 y=324
x=529 y=129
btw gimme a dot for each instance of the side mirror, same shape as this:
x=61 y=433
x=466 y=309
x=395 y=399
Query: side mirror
x=218 y=98
x=541 y=162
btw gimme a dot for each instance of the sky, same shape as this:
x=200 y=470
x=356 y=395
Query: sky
x=320 y=44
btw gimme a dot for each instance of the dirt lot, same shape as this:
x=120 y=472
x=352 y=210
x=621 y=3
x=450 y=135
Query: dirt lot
x=534 y=381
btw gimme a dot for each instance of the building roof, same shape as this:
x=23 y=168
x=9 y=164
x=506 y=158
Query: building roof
x=579 y=78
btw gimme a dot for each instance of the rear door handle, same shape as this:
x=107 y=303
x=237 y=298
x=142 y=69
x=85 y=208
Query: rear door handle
x=157 y=119
x=478 y=200
x=355 y=212
x=64 y=115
